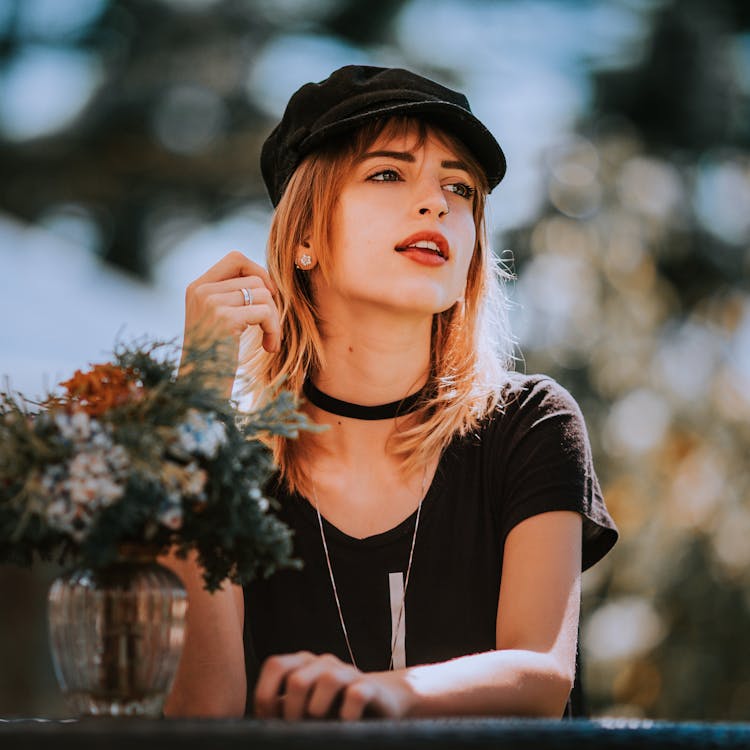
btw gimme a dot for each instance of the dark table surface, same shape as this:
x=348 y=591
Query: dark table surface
x=250 y=734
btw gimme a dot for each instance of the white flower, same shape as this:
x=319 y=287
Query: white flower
x=60 y=514
x=170 y=515
x=194 y=480
x=201 y=434
x=78 y=427
x=183 y=481
x=262 y=502
x=87 y=464
x=100 y=440
x=69 y=518
x=53 y=475
x=94 y=491
x=93 y=478
x=65 y=426
x=82 y=424
x=119 y=460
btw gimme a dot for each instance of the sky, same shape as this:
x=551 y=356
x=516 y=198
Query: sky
x=61 y=308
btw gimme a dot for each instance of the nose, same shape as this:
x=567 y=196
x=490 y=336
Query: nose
x=431 y=200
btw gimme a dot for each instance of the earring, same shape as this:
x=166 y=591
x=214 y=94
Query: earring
x=305 y=261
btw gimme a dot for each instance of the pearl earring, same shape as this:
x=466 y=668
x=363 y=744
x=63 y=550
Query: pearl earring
x=305 y=261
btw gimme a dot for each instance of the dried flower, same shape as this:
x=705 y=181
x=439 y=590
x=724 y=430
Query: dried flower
x=100 y=389
x=131 y=453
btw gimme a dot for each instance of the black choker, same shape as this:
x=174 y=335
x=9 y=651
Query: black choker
x=357 y=411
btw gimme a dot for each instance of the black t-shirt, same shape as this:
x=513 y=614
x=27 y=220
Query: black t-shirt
x=530 y=456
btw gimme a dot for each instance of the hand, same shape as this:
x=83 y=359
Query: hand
x=215 y=310
x=305 y=685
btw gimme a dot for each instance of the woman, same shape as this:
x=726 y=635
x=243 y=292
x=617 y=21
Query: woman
x=441 y=474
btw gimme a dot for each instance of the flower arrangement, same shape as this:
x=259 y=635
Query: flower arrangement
x=130 y=453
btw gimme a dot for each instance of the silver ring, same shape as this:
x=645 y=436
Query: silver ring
x=247 y=295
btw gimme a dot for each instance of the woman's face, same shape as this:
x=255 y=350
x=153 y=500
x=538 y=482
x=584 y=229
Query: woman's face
x=404 y=231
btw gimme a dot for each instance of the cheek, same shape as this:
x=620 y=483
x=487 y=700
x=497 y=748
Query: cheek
x=350 y=251
x=358 y=235
x=468 y=236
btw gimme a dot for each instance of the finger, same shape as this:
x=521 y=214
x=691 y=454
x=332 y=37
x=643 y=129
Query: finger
x=264 y=316
x=265 y=311
x=326 y=696
x=235 y=298
x=227 y=286
x=232 y=320
x=271 y=342
x=357 y=696
x=270 y=323
x=235 y=264
x=300 y=684
x=273 y=673
x=215 y=306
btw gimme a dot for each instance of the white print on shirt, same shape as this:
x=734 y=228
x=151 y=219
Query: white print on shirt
x=396 y=586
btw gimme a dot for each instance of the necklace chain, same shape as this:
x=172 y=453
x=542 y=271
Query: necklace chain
x=406 y=581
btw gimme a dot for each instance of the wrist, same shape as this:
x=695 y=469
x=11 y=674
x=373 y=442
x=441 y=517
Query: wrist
x=405 y=686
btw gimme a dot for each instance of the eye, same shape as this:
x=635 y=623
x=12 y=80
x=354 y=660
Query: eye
x=462 y=189
x=385 y=175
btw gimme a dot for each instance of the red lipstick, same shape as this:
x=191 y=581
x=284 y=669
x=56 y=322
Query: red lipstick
x=426 y=244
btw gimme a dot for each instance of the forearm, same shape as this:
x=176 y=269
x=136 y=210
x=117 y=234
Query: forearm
x=509 y=682
x=210 y=680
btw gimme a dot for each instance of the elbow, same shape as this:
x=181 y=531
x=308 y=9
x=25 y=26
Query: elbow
x=552 y=695
x=558 y=702
x=542 y=692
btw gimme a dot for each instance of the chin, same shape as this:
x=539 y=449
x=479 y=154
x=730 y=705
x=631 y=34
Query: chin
x=428 y=309
x=427 y=298
x=418 y=298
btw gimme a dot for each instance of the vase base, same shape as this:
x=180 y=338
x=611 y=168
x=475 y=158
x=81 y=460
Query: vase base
x=87 y=705
x=115 y=635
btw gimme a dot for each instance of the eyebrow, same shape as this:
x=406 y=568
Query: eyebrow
x=408 y=157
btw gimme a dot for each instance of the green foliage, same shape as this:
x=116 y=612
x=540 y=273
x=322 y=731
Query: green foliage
x=133 y=454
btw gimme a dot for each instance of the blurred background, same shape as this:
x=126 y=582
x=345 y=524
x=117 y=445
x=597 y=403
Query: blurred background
x=129 y=139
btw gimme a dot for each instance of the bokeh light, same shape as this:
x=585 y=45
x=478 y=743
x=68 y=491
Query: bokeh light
x=129 y=142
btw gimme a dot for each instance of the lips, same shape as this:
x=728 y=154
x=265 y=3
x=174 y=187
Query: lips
x=433 y=242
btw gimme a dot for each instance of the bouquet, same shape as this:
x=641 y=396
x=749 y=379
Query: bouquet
x=129 y=453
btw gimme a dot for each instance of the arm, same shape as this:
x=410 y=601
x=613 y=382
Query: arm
x=210 y=679
x=530 y=673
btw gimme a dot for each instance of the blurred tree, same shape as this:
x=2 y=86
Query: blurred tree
x=644 y=316
x=685 y=95
x=633 y=276
x=172 y=122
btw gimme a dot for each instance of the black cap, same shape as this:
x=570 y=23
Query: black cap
x=356 y=93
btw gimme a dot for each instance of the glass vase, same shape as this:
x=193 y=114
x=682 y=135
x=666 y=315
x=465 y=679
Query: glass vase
x=116 y=635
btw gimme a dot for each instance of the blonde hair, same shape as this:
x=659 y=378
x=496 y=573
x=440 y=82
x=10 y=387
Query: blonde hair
x=471 y=347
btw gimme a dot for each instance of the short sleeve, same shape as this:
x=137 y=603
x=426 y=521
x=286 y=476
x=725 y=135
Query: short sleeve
x=541 y=461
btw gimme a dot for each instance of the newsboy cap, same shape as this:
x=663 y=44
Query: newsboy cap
x=356 y=93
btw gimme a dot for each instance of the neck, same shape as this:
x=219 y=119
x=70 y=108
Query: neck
x=369 y=360
x=374 y=361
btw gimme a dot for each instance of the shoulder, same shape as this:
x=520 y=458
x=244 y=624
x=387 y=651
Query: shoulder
x=539 y=459
x=534 y=415
x=532 y=397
